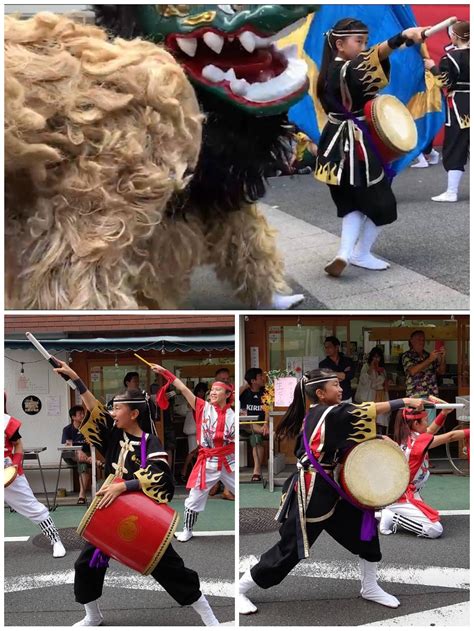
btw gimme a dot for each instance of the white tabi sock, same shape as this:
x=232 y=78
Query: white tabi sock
x=280 y=301
x=351 y=227
x=245 y=605
x=203 y=608
x=454 y=178
x=94 y=617
x=370 y=588
x=362 y=255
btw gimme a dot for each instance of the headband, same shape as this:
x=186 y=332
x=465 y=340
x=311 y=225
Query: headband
x=409 y=414
x=227 y=386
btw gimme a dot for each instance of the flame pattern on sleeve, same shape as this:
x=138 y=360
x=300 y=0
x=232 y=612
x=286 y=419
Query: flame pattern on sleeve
x=369 y=72
x=96 y=422
x=155 y=484
x=364 y=422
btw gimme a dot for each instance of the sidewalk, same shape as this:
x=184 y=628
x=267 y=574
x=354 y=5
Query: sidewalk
x=444 y=492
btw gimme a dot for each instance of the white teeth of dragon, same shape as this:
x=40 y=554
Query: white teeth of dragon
x=188 y=45
x=247 y=39
x=214 y=41
x=239 y=86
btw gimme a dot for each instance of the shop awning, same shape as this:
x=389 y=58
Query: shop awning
x=169 y=343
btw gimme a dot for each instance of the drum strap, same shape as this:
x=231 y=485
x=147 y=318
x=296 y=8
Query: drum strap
x=369 y=526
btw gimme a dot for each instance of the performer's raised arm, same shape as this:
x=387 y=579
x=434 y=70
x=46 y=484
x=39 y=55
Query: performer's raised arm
x=173 y=381
x=415 y=34
x=87 y=397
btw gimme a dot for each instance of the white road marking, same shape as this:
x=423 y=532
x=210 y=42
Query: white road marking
x=211 y=533
x=452 y=615
x=454 y=512
x=221 y=587
x=453 y=577
x=12 y=539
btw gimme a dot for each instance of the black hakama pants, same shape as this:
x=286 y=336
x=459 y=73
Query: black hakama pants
x=455 y=146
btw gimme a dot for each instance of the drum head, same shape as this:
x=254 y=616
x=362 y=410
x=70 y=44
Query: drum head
x=9 y=474
x=394 y=124
x=376 y=473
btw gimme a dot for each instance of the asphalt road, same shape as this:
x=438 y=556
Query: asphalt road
x=428 y=237
x=333 y=600
x=39 y=589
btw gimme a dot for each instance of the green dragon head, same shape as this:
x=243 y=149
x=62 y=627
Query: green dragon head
x=230 y=51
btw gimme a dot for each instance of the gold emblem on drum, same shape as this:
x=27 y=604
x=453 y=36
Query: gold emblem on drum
x=127 y=529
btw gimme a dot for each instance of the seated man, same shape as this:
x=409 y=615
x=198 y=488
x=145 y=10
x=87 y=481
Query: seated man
x=72 y=436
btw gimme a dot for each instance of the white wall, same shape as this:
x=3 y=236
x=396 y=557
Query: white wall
x=30 y=9
x=42 y=429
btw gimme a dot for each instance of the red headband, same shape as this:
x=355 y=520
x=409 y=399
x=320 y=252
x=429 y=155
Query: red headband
x=409 y=414
x=227 y=386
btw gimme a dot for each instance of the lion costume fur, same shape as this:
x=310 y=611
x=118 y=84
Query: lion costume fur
x=100 y=138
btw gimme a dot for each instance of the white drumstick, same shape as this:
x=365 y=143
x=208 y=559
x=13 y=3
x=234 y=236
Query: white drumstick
x=52 y=360
x=439 y=27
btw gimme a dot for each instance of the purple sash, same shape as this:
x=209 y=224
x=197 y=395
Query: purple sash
x=369 y=525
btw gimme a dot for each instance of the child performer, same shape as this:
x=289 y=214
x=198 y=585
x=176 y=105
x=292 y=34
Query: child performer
x=416 y=437
x=215 y=433
x=18 y=495
x=453 y=71
x=310 y=504
x=138 y=458
x=349 y=77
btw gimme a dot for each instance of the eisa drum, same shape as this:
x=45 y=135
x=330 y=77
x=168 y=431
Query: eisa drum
x=9 y=475
x=392 y=127
x=374 y=473
x=134 y=530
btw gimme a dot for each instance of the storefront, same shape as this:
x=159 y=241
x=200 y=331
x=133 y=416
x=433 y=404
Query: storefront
x=297 y=343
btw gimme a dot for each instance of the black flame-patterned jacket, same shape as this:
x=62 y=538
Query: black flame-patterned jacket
x=331 y=431
x=344 y=154
x=122 y=454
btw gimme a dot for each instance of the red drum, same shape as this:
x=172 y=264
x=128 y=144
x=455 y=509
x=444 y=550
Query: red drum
x=134 y=530
x=392 y=127
x=375 y=473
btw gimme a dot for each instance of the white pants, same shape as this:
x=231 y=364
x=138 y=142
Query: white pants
x=19 y=496
x=416 y=520
x=197 y=498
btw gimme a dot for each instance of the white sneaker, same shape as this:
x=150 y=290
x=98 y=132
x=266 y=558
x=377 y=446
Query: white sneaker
x=58 y=550
x=433 y=157
x=244 y=605
x=184 y=536
x=447 y=196
x=89 y=622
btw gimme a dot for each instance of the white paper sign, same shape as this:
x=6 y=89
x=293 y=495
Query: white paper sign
x=254 y=357
x=284 y=391
x=296 y=365
x=34 y=379
x=53 y=406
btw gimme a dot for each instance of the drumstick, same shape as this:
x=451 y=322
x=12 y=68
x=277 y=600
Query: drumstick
x=52 y=360
x=143 y=360
x=432 y=30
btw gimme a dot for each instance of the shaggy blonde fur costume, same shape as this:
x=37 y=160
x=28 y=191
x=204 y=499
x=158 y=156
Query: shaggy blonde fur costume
x=100 y=136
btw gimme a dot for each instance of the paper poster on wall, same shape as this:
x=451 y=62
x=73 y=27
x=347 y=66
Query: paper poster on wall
x=296 y=365
x=53 y=406
x=34 y=379
x=254 y=357
x=284 y=391
x=310 y=363
x=274 y=335
x=95 y=376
